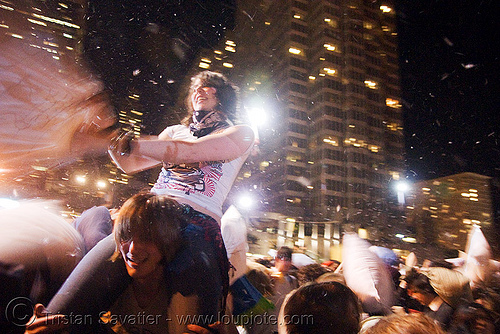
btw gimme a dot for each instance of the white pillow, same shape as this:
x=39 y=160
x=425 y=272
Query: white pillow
x=33 y=235
x=366 y=275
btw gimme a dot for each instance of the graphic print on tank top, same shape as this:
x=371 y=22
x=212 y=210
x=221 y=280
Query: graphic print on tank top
x=201 y=177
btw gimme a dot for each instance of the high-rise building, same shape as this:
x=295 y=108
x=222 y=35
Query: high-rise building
x=444 y=209
x=53 y=26
x=327 y=72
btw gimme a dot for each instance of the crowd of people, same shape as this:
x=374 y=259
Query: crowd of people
x=430 y=298
x=160 y=265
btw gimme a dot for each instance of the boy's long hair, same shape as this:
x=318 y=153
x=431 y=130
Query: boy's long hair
x=152 y=218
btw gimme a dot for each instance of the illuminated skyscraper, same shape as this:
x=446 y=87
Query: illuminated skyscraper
x=443 y=210
x=326 y=75
x=336 y=139
x=54 y=26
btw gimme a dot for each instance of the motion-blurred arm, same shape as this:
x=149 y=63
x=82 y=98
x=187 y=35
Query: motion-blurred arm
x=227 y=145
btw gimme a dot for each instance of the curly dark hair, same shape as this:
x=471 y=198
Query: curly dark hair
x=419 y=282
x=227 y=94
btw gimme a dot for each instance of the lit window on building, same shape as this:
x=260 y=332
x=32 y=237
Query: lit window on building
x=394 y=127
x=15 y=35
x=204 y=65
x=56 y=21
x=40 y=23
x=332 y=141
x=392 y=103
x=228 y=65
x=230 y=48
x=367 y=25
x=385 y=9
x=331 y=22
x=51 y=44
x=371 y=84
x=6 y=7
x=329 y=71
x=329 y=47
x=394 y=175
x=294 y=51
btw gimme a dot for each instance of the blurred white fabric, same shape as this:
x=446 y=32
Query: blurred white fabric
x=234 y=234
x=366 y=275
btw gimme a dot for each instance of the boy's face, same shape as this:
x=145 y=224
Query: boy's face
x=142 y=258
x=283 y=264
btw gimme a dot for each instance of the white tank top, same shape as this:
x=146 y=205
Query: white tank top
x=204 y=183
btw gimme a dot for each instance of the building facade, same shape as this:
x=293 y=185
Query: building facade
x=443 y=210
x=327 y=73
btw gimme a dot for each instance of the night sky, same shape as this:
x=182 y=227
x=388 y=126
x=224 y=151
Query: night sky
x=148 y=47
x=449 y=67
x=450 y=86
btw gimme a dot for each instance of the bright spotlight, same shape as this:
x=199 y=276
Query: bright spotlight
x=101 y=184
x=257 y=116
x=402 y=186
x=81 y=179
x=245 y=202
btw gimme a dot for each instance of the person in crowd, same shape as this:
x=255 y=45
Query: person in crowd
x=487 y=294
x=441 y=290
x=154 y=242
x=472 y=318
x=310 y=273
x=281 y=280
x=320 y=308
x=416 y=323
x=201 y=158
x=331 y=277
x=94 y=224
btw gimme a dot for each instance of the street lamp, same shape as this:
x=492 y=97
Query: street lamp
x=402 y=187
x=245 y=201
x=257 y=116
